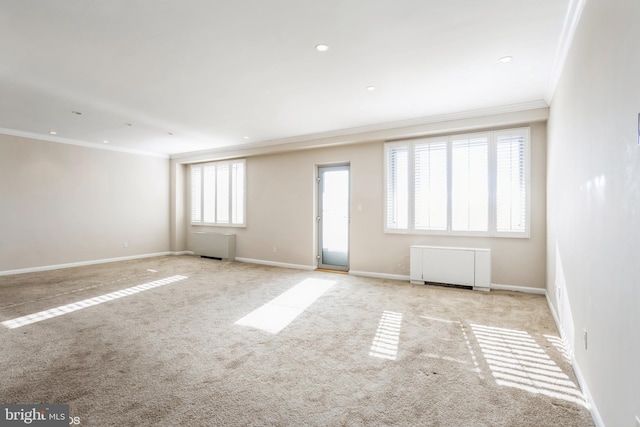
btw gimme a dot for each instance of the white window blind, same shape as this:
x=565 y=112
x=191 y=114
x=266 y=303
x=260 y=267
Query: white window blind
x=196 y=194
x=237 y=193
x=511 y=181
x=218 y=193
x=473 y=184
x=397 y=184
x=208 y=197
x=223 y=193
x=430 y=171
x=470 y=184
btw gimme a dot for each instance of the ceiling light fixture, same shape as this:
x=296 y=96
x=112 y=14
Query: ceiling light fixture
x=505 y=59
x=128 y=124
x=371 y=88
x=53 y=132
x=77 y=113
x=246 y=137
x=170 y=133
x=105 y=142
x=322 y=47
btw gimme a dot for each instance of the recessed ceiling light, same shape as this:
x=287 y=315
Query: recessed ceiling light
x=246 y=137
x=105 y=142
x=170 y=133
x=371 y=88
x=77 y=113
x=322 y=47
x=505 y=59
x=53 y=132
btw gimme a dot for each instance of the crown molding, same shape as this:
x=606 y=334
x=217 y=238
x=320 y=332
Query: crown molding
x=411 y=122
x=460 y=121
x=534 y=111
x=571 y=21
x=60 y=140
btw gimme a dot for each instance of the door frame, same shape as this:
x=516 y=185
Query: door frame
x=335 y=166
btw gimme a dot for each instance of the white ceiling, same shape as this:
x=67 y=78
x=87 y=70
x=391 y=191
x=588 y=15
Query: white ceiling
x=213 y=72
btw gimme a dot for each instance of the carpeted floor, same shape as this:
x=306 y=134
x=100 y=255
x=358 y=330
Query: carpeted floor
x=198 y=342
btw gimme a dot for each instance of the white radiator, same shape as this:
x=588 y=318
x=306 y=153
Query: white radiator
x=456 y=266
x=214 y=245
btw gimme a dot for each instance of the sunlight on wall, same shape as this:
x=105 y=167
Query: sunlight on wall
x=385 y=342
x=275 y=315
x=565 y=317
x=516 y=360
x=69 y=308
x=595 y=189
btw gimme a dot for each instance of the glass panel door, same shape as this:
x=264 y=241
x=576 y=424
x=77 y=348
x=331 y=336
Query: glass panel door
x=334 y=217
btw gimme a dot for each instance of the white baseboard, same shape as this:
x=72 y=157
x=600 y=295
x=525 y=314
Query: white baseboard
x=182 y=253
x=379 y=275
x=84 y=263
x=591 y=406
x=525 y=289
x=276 y=264
x=554 y=314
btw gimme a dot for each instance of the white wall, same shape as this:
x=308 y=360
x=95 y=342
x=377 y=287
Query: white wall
x=281 y=210
x=62 y=203
x=594 y=205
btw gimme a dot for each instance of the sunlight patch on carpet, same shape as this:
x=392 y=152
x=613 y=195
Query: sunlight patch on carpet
x=560 y=345
x=516 y=360
x=385 y=342
x=472 y=354
x=278 y=313
x=69 y=308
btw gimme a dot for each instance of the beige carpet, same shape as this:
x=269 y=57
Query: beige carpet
x=366 y=352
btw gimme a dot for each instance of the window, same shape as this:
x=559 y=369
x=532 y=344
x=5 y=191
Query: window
x=218 y=193
x=472 y=184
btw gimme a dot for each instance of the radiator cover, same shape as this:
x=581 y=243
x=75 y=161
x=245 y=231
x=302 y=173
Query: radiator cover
x=214 y=245
x=456 y=266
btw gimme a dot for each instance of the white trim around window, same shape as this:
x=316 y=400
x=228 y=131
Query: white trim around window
x=218 y=193
x=475 y=184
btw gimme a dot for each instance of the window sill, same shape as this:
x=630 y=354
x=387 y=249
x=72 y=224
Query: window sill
x=510 y=235
x=199 y=224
